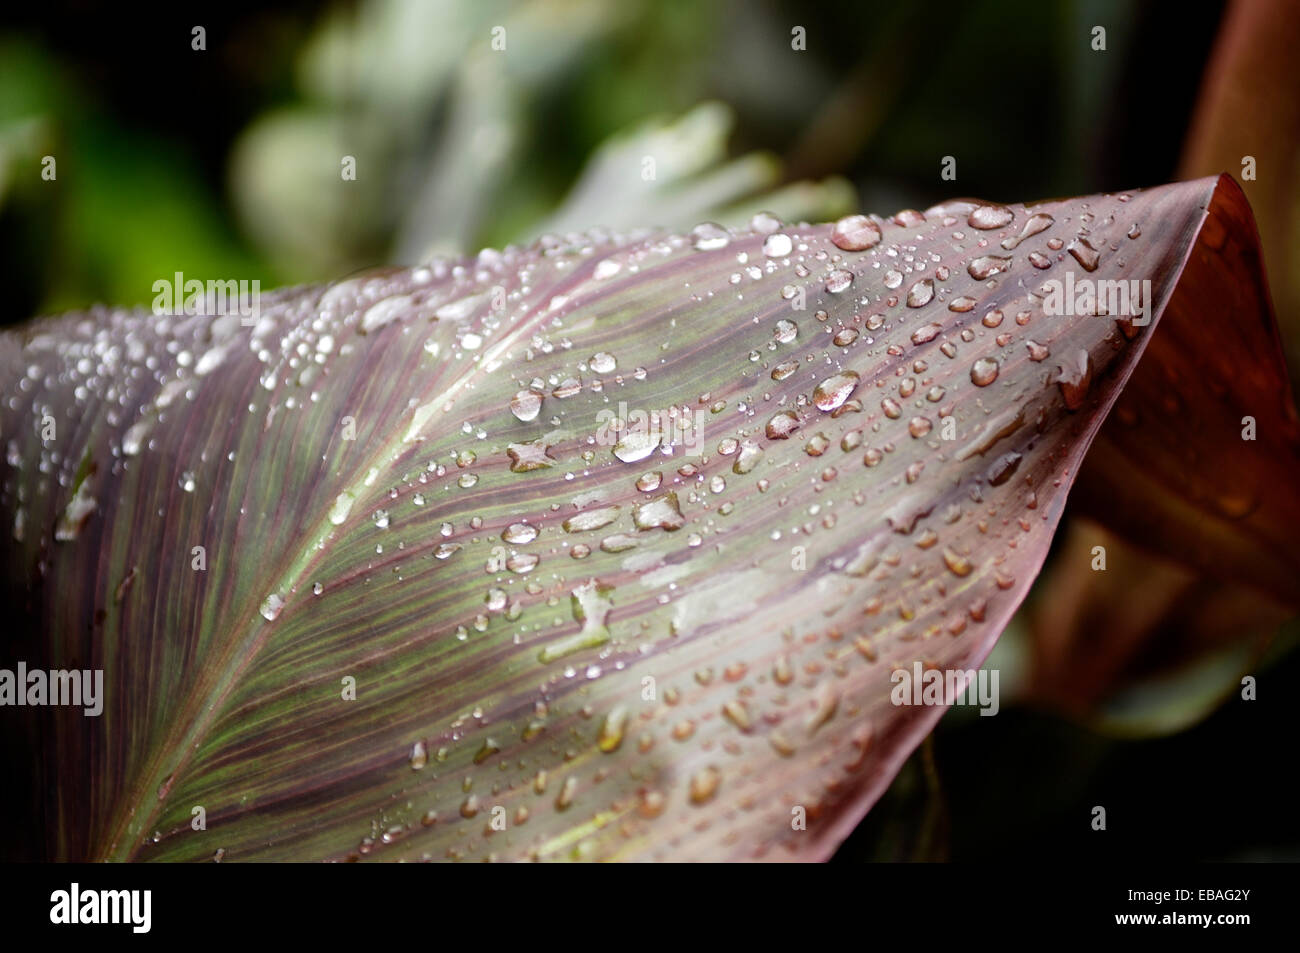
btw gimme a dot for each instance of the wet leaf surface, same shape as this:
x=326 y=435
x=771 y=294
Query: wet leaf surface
x=618 y=540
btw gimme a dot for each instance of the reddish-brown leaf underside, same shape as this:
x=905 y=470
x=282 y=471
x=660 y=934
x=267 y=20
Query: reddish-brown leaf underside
x=562 y=648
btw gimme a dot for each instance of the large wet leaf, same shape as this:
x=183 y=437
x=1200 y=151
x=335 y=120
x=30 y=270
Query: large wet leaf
x=567 y=639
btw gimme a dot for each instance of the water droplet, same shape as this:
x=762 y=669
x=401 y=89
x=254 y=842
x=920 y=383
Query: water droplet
x=1001 y=469
x=1036 y=224
x=986 y=266
x=984 y=372
x=636 y=445
x=920 y=294
x=134 y=437
x=526 y=405
x=838 y=280
x=611 y=731
x=777 y=245
x=74 y=515
x=782 y=425
x=603 y=363
x=271 y=607
x=708 y=236
x=958 y=564
x=591 y=519
x=1075 y=378
x=784 y=370
x=834 y=391
x=1084 y=253
x=419 y=756
x=855 y=233
x=661 y=512
x=785 y=331
x=519 y=533
x=341 y=508
x=990 y=216
x=747 y=459
x=704 y=785
x=528 y=456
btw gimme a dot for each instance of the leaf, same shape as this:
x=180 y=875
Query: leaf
x=659 y=641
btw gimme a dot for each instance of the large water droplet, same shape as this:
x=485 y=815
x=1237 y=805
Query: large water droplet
x=526 y=405
x=661 y=512
x=835 y=390
x=709 y=237
x=990 y=216
x=920 y=294
x=636 y=445
x=986 y=266
x=984 y=372
x=855 y=233
x=777 y=245
x=1036 y=224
